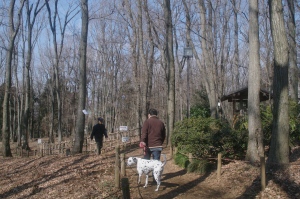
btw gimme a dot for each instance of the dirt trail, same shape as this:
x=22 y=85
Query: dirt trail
x=176 y=183
x=89 y=176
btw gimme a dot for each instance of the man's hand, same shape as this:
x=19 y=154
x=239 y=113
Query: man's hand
x=142 y=144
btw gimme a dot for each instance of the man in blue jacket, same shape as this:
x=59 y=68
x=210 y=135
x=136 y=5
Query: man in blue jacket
x=98 y=131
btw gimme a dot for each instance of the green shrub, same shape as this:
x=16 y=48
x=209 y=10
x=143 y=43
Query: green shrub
x=200 y=106
x=294 y=122
x=200 y=166
x=181 y=160
x=206 y=137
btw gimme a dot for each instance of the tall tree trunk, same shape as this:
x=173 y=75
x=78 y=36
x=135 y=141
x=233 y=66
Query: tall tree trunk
x=208 y=69
x=143 y=64
x=279 y=148
x=28 y=101
x=255 y=148
x=293 y=69
x=170 y=70
x=150 y=58
x=236 y=45
x=80 y=122
x=133 y=38
x=13 y=31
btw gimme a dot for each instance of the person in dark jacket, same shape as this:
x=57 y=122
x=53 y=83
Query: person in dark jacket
x=153 y=135
x=98 y=132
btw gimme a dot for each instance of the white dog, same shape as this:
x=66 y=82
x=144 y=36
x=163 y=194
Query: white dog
x=146 y=166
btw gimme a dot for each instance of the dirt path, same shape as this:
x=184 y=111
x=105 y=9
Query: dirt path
x=89 y=176
x=176 y=183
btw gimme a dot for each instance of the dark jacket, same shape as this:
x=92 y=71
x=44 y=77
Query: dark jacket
x=153 y=132
x=98 y=132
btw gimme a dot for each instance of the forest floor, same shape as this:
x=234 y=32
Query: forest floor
x=92 y=176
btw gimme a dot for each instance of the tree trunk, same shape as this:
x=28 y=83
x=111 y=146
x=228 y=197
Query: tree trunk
x=208 y=69
x=170 y=69
x=13 y=31
x=134 y=57
x=255 y=148
x=236 y=46
x=279 y=148
x=80 y=122
x=293 y=69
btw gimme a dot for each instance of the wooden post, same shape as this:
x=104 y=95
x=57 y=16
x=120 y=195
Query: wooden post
x=125 y=188
x=219 y=165
x=175 y=150
x=190 y=157
x=21 y=152
x=43 y=147
x=263 y=173
x=117 y=169
x=86 y=146
x=123 y=166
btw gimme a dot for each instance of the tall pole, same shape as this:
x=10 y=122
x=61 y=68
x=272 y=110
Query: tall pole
x=188 y=88
x=187 y=54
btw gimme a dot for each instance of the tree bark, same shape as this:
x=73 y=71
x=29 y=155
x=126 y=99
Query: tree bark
x=208 y=69
x=279 y=148
x=169 y=55
x=13 y=31
x=293 y=69
x=80 y=122
x=255 y=148
x=236 y=45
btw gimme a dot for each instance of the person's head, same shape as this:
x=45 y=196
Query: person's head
x=100 y=120
x=152 y=112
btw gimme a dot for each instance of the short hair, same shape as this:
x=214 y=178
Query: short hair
x=100 y=119
x=152 y=111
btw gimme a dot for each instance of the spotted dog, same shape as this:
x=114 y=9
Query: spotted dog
x=146 y=166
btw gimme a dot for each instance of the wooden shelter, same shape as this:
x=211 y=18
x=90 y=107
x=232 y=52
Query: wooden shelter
x=239 y=99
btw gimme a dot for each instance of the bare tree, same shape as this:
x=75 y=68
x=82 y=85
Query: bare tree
x=255 y=148
x=236 y=43
x=70 y=14
x=293 y=69
x=208 y=56
x=279 y=148
x=30 y=44
x=170 y=68
x=80 y=122
x=13 y=31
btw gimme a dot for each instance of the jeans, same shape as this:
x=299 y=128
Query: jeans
x=155 y=152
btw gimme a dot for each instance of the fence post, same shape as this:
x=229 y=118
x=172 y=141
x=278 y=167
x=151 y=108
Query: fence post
x=219 y=165
x=263 y=173
x=190 y=157
x=86 y=146
x=117 y=169
x=123 y=168
x=125 y=188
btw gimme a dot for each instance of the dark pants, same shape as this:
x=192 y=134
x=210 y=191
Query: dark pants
x=99 y=147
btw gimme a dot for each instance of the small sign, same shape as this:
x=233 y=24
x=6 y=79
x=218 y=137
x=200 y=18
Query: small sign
x=125 y=139
x=39 y=141
x=123 y=128
x=85 y=112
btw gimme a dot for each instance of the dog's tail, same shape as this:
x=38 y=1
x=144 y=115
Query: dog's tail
x=165 y=159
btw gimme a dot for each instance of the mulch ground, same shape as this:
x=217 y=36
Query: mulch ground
x=92 y=176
